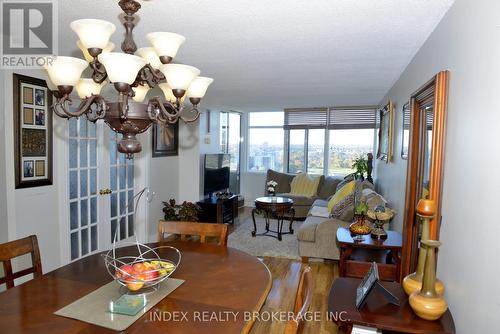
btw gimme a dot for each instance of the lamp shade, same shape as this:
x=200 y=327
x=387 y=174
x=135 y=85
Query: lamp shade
x=150 y=56
x=167 y=92
x=198 y=87
x=140 y=92
x=93 y=33
x=88 y=87
x=65 y=71
x=86 y=53
x=165 y=43
x=50 y=85
x=179 y=76
x=121 y=67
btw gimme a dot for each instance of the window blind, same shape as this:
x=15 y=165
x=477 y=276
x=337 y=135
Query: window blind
x=306 y=118
x=406 y=116
x=351 y=118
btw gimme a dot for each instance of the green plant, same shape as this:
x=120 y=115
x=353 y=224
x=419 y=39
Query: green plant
x=361 y=209
x=187 y=211
x=361 y=167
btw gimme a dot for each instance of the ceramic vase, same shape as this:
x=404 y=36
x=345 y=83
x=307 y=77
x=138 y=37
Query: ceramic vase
x=413 y=282
x=427 y=303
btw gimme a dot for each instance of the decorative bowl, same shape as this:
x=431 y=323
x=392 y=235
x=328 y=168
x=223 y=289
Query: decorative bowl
x=145 y=269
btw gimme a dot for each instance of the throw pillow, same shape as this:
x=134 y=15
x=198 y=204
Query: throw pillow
x=304 y=185
x=347 y=190
x=345 y=181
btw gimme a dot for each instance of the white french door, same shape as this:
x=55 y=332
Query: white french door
x=100 y=190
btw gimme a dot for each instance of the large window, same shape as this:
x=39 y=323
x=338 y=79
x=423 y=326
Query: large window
x=265 y=141
x=345 y=146
x=327 y=140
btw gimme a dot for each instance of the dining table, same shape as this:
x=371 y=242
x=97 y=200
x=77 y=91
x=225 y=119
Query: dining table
x=223 y=287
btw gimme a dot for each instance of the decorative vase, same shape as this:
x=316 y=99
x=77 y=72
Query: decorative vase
x=413 y=282
x=427 y=303
x=378 y=231
x=360 y=227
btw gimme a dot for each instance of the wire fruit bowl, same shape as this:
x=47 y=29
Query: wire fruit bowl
x=143 y=271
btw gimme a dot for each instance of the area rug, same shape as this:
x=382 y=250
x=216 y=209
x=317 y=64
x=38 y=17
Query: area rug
x=241 y=238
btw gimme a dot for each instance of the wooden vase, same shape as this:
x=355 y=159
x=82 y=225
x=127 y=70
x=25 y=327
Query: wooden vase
x=413 y=282
x=427 y=303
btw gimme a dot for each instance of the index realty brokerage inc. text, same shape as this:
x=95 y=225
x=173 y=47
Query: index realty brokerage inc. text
x=228 y=316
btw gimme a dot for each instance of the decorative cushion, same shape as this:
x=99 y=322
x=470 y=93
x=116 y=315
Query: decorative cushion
x=305 y=185
x=328 y=187
x=341 y=195
x=367 y=185
x=373 y=199
x=345 y=181
x=282 y=179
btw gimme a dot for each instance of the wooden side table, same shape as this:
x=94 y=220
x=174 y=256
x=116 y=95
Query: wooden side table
x=378 y=313
x=278 y=208
x=356 y=256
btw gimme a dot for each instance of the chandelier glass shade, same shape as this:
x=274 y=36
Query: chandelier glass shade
x=133 y=73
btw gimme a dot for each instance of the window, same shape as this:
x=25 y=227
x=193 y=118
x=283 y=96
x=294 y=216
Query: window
x=328 y=140
x=345 y=146
x=265 y=141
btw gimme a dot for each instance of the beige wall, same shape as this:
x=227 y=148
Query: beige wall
x=466 y=42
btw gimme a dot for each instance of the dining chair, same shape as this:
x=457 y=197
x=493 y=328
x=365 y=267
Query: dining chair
x=13 y=249
x=193 y=228
x=302 y=302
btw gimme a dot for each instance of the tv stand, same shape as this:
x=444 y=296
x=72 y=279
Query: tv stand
x=219 y=210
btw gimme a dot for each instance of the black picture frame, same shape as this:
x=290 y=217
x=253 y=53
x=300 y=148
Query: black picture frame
x=32 y=142
x=165 y=146
x=372 y=281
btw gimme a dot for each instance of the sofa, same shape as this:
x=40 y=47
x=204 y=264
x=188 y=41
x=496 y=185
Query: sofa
x=317 y=236
x=302 y=204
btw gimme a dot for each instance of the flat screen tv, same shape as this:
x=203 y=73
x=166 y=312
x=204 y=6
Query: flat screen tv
x=216 y=173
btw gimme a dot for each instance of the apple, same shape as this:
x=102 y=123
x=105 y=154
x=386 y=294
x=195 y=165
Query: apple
x=124 y=271
x=135 y=285
x=139 y=267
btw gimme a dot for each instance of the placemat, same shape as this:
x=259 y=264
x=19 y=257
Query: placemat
x=94 y=307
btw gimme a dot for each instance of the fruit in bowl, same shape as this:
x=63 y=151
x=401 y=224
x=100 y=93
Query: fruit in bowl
x=135 y=276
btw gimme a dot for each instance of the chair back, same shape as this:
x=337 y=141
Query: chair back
x=193 y=228
x=302 y=302
x=13 y=249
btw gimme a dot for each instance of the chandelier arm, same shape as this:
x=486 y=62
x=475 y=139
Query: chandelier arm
x=98 y=71
x=167 y=111
x=149 y=75
x=99 y=112
x=194 y=108
x=63 y=104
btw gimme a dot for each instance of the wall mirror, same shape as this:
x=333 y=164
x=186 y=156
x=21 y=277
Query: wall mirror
x=406 y=130
x=427 y=114
x=386 y=115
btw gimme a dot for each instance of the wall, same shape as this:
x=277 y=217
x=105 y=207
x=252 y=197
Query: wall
x=31 y=210
x=4 y=231
x=466 y=43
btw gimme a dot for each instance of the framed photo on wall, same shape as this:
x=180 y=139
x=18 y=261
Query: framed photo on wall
x=32 y=132
x=386 y=116
x=165 y=140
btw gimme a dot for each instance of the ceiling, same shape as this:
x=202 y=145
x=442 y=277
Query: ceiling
x=267 y=55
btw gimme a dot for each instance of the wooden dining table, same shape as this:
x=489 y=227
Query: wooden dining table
x=219 y=281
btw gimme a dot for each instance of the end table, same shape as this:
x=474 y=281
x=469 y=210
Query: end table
x=279 y=208
x=356 y=256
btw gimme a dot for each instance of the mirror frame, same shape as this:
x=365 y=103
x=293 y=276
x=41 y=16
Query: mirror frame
x=405 y=111
x=437 y=89
x=386 y=111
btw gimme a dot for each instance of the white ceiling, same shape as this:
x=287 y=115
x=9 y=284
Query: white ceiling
x=267 y=55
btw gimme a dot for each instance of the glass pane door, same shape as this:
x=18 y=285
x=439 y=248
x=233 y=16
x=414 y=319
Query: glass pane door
x=122 y=195
x=83 y=184
x=234 y=148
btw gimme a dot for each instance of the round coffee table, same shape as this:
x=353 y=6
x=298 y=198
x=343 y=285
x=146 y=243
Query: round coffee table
x=277 y=208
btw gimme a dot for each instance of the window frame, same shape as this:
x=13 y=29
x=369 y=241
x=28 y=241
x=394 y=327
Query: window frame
x=248 y=138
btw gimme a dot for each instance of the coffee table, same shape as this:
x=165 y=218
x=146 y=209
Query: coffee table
x=274 y=208
x=356 y=257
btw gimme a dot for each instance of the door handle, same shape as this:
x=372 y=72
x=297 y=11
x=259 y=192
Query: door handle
x=105 y=191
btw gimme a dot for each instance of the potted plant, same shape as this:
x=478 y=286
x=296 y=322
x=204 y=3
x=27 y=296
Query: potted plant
x=187 y=211
x=361 y=167
x=360 y=226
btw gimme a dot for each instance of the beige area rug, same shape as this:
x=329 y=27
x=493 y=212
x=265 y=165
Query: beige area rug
x=241 y=238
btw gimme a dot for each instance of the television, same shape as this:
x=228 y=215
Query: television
x=217 y=173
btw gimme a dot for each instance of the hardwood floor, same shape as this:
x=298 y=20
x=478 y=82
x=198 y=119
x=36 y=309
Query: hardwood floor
x=286 y=274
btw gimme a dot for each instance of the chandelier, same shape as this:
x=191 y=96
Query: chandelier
x=133 y=73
